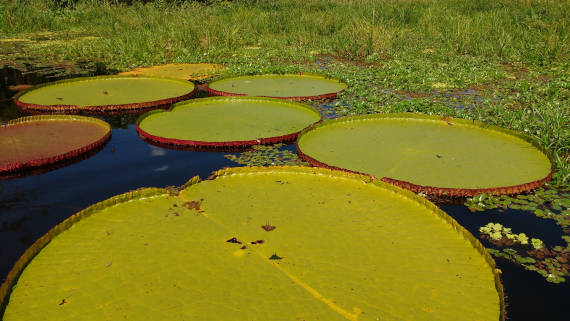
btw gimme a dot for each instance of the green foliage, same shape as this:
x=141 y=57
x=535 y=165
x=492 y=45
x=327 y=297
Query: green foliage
x=497 y=232
x=267 y=155
x=552 y=264
x=547 y=202
x=366 y=30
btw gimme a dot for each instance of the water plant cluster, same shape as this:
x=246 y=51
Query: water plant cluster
x=547 y=202
x=267 y=155
x=532 y=255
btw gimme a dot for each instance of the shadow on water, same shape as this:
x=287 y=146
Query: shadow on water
x=31 y=205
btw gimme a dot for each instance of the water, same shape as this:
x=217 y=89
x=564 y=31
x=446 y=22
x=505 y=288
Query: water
x=31 y=205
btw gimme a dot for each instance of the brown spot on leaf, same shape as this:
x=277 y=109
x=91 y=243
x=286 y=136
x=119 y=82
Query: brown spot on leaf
x=233 y=240
x=275 y=257
x=193 y=205
x=258 y=242
x=62 y=302
x=268 y=227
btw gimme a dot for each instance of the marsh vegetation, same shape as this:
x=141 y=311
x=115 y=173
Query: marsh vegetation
x=502 y=62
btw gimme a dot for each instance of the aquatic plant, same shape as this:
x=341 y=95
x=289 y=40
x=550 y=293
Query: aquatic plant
x=37 y=141
x=219 y=122
x=301 y=86
x=547 y=202
x=428 y=154
x=552 y=263
x=197 y=72
x=267 y=155
x=240 y=230
x=102 y=94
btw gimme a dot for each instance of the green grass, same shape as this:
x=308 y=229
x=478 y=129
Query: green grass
x=506 y=61
x=530 y=31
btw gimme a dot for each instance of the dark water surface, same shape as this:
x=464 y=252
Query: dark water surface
x=31 y=205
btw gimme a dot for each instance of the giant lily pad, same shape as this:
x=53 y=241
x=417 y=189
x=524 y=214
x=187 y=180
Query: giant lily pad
x=281 y=243
x=288 y=86
x=429 y=154
x=180 y=71
x=35 y=141
x=227 y=121
x=104 y=94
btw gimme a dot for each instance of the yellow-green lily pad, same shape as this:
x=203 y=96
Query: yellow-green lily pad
x=104 y=94
x=227 y=122
x=277 y=243
x=284 y=86
x=429 y=154
x=181 y=71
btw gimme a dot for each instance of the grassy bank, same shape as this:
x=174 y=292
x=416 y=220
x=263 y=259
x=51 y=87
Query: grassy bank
x=532 y=32
x=504 y=62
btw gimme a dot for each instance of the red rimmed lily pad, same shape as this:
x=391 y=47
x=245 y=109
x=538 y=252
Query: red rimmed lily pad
x=220 y=122
x=438 y=156
x=286 y=86
x=31 y=142
x=99 y=95
x=346 y=248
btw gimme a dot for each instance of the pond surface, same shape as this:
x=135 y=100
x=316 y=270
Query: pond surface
x=31 y=205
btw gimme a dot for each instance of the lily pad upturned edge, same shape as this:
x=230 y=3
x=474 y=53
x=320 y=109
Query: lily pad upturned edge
x=332 y=95
x=227 y=145
x=53 y=160
x=38 y=245
x=30 y=108
x=199 y=77
x=434 y=192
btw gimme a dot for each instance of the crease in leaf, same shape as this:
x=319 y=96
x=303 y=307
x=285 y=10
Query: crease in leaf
x=341 y=260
